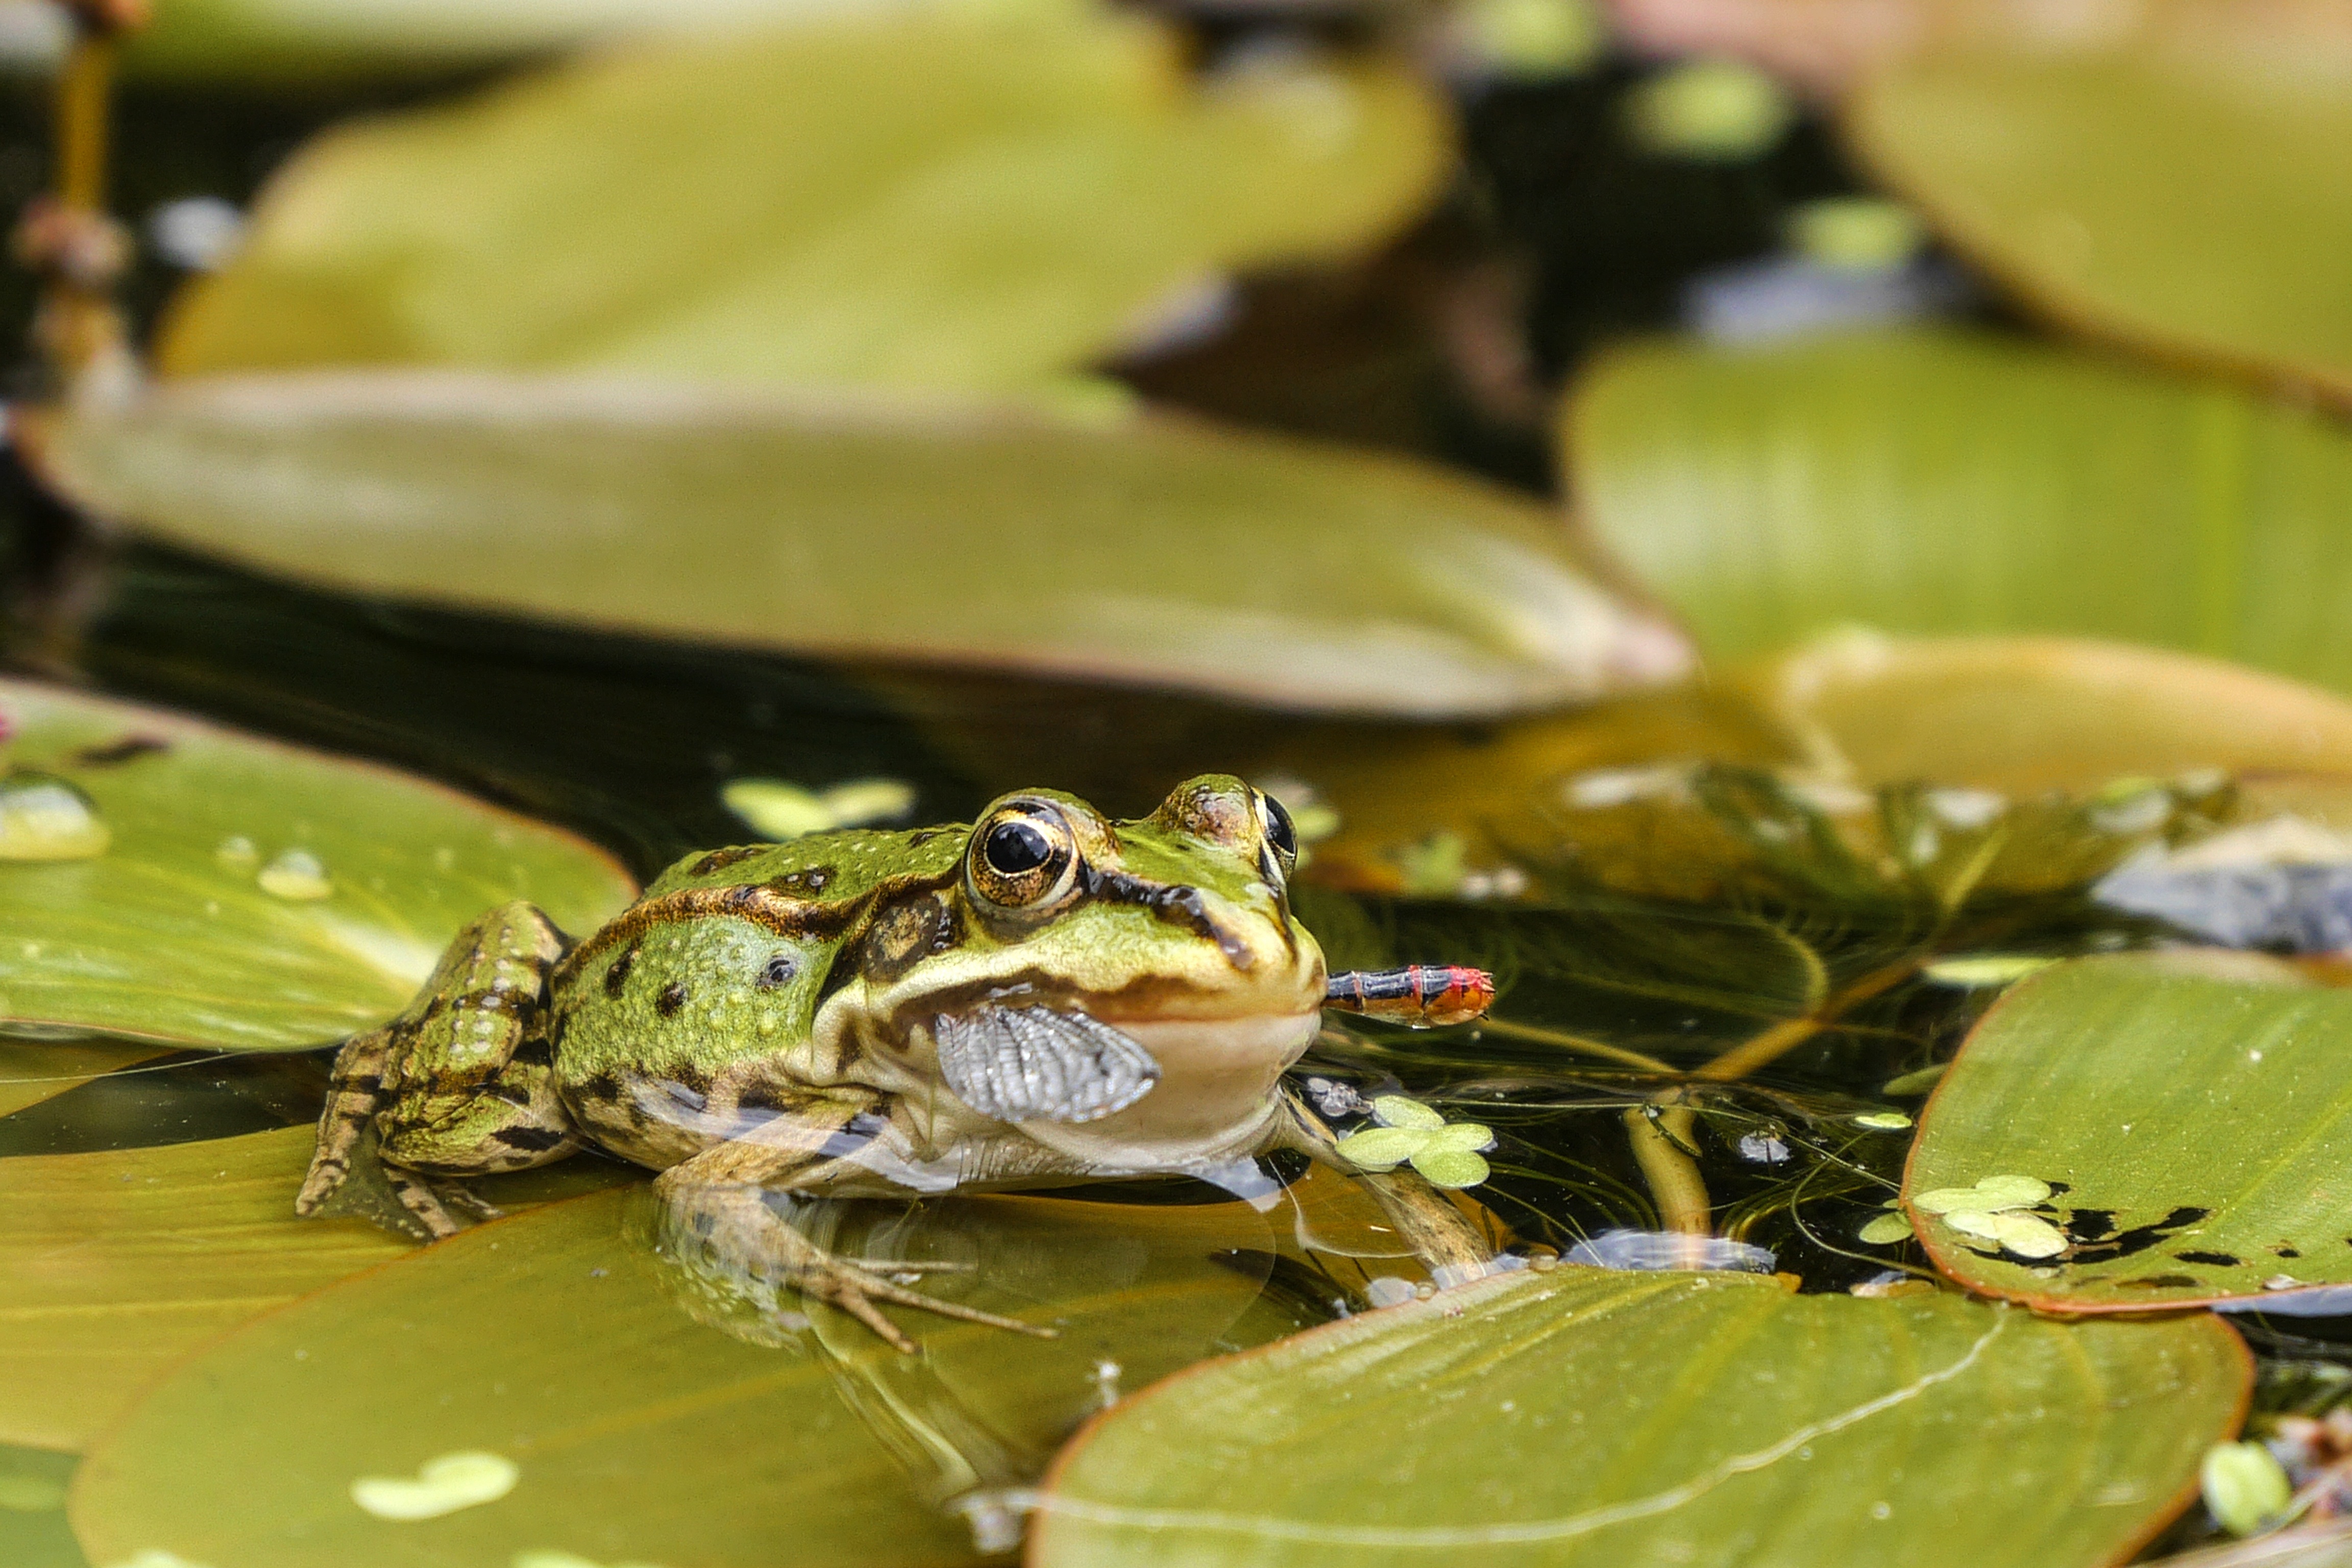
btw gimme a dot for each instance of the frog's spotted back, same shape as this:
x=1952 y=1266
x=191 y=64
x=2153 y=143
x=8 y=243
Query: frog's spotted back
x=824 y=867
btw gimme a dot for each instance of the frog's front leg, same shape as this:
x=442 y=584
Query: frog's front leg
x=1450 y=1246
x=720 y=1198
x=462 y=1083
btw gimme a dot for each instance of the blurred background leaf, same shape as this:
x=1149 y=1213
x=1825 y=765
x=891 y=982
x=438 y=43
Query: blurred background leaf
x=1937 y=481
x=987 y=201
x=1156 y=552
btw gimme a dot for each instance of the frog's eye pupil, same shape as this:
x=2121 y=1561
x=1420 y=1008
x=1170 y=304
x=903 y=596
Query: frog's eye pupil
x=1015 y=847
x=779 y=969
x=1279 y=829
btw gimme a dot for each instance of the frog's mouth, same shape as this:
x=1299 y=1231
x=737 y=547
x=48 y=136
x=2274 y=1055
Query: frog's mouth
x=1161 y=1080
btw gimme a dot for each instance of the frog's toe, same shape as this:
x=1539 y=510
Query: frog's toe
x=856 y=1287
x=896 y=1265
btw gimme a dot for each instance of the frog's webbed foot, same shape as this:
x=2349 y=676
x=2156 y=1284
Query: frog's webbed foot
x=443 y=1208
x=738 y=1233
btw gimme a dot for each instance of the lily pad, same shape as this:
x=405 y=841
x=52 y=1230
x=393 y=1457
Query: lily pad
x=982 y=198
x=2188 y=1113
x=1929 y=1429
x=116 y=1265
x=1949 y=482
x=2074 y=174
x=640 y=1434
x=176 y=933
x=1162 y=553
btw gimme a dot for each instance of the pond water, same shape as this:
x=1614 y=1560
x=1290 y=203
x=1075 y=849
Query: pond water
x=1763 y=1058
x=1755 y=1302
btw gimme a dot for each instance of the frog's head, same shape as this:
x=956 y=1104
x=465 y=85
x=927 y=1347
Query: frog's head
x=1082 y=938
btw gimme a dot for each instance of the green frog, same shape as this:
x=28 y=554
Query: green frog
x=1043 y=997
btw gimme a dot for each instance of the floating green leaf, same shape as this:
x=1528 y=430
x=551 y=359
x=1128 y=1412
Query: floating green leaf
x=2247 y=1489
x=1379 y=1438
x=1941 y=481
x=1162 y=553
x=983 y=198
x=206 y=922
x=2190 y=1116
x=115 y=1265
x=2069 y=172
x=639 y=1434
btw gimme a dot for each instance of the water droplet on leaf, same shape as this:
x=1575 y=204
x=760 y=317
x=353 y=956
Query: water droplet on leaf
x=46 y=818
x=296 y=876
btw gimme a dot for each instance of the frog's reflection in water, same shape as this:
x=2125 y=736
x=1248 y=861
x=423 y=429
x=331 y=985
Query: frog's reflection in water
x=1133 y=1291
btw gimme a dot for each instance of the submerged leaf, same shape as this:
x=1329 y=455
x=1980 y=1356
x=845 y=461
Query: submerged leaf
x=982 y=198
x=255 y=895
x=1405 y=1436
x=1164 y=554
x=2191 y=1116
x=1936 y=483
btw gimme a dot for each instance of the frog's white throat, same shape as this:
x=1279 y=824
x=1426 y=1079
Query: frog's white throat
x=1128 y=1094
x=1215 y=1097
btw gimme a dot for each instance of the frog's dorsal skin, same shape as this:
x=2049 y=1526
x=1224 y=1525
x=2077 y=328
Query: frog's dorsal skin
x=1045 y=997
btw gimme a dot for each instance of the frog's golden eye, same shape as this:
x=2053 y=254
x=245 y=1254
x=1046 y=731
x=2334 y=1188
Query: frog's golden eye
x=1023 y=856
x=1281 y=837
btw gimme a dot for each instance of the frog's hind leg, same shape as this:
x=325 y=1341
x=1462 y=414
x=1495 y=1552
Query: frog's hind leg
x=463 y=1083
x=719 y=1197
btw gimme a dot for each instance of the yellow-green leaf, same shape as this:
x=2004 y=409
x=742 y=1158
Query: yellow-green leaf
x=1930 y=1428
x=306 y=41
x=193 y=926
x=1162 y=552
x=641 y=1433
x=2193 y=193
x=1947 y=481
x=116 y=1265
x=981 y=198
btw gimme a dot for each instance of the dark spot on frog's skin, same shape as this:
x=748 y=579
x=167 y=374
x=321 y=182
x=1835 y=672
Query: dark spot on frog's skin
x=2089 y=1224
x=780 y=969
x=120 y=752
x=2157 y=1282
x=2212 y=1259
x=671 y=998
x=807 y=880
x=905 y=934
x=532 y=1139
x=604 y=1088
x=536 y=1050
x=719 y=859
x=618 y=975
x=2282 y=1249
